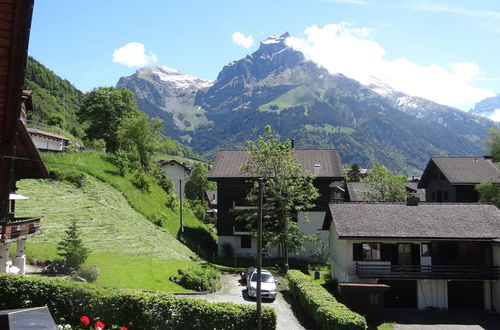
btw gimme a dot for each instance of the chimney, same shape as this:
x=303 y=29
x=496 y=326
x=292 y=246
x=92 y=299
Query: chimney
x=412 y=200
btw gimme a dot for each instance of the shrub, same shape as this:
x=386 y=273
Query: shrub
x=200 y=277
x=141 y=181
x=321 y=306
x=130 y=308
x=89 y=273
x=69 y=175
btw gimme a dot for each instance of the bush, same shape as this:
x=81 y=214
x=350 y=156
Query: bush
x=321 y=306
x=141 y=181
x=133 y=309
x=89 y=273
x=69 y=175
x=200 y=278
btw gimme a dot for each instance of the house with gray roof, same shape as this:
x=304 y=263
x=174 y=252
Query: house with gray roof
x=439 y=255
x=233 y=186
x=453 y=179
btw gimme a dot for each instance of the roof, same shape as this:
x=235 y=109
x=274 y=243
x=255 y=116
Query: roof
x=364 y=285
x=462 y=170
x=425 y=221
x=15 y=18
x=228 y=163
x=173 y=162
x=359 y=191
x=47 y=134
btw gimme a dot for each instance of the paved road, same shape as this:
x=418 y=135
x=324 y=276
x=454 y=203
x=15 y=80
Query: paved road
x=233 y=291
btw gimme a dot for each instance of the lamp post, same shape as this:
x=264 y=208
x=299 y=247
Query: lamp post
x=259 y=255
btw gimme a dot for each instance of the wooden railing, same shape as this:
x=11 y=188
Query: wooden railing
x=428 y=271
x=19 y=227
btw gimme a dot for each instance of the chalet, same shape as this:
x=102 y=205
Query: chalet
x=19 y=158
x=177 y=171
x=429 y=254
x=46 y=141
x=233 y=185
x=210 y=198
x=452 y=179
x=361 y=191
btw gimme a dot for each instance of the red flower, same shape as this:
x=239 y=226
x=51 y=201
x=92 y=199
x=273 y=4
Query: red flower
x=85 y=320
x=123 y=328
x=99 y=324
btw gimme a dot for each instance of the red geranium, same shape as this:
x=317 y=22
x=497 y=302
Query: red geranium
x=85 y=320
x=99 y=324
x=123 y=328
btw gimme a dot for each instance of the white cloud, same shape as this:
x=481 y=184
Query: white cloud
x=241 y=40
x=341 y=48
x=133 y=54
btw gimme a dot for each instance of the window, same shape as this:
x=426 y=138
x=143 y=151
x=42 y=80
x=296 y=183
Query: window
x=445 y=196
x=246 y=242
x=374 y=299
x=371 y=251
x=426 y=249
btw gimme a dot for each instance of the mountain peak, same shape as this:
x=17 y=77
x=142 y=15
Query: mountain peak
x=174 y=77
x=276 y=39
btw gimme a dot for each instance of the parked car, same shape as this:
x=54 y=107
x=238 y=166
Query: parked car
x=268 y=286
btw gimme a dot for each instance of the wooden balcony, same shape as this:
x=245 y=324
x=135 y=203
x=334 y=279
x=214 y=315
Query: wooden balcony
x=428 y=271
x=19 y=228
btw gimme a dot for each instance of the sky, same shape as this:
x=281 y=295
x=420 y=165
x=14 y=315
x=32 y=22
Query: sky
x=446 y=51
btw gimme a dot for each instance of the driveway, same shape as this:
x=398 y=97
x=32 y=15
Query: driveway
x=289 y=318
x=445 y=320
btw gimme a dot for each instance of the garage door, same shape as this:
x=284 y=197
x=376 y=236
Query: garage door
x=465 y=295
x=402 y=294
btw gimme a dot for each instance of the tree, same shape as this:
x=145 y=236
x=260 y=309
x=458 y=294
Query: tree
x=493 y=143
x=71 y=248
x=104 y=109
x=137 y=136
x=288 y=190
x=198 y=183
x=489 y=192
x=353 y=174
x=55 y=119
x=385 y=186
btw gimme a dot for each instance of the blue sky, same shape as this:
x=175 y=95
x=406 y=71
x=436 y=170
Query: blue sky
x=447 y=51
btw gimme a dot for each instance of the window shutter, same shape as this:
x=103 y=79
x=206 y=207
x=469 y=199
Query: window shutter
x=357 y=252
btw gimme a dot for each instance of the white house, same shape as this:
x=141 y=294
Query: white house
x=47 y=141
x=178 y=172
x=430 y=255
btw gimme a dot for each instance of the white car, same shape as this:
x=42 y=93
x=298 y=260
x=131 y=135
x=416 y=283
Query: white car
x=268 y=285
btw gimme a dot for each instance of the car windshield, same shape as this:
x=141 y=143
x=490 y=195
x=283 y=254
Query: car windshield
x=266 y=278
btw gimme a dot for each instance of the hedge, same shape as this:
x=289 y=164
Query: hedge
x=321 y=306
x=133 y=309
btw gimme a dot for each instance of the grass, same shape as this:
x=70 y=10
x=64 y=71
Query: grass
x=298 y=96
x=149 y=204
x=130 y=250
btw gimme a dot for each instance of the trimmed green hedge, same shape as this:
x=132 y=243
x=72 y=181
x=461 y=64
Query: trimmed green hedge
x=321 y=306
x=134 y=309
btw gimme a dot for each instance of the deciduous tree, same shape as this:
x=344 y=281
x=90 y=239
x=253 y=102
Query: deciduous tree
x=288 y=190
x=493 y=143
x=198 y=183
x=385 y=186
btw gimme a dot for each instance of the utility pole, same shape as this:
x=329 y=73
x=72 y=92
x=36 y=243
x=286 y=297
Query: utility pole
x=259 y=255
x=180 y=207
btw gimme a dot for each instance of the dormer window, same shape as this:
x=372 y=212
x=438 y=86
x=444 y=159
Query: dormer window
x=317 y=164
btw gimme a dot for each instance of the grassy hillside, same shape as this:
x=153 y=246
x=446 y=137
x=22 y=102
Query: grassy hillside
x=130 y=251
x=151 y=205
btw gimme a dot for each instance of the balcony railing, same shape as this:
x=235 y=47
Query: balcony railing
x=19 y=227
x=428 y=271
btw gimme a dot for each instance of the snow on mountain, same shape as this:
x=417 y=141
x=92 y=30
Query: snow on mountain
x=489 y=108
x=176 y=78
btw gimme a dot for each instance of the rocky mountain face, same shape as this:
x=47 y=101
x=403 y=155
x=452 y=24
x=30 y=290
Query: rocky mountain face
x=276 y=85
x=489 y=108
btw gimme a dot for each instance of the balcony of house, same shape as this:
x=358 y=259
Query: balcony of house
x=19 y=228
x=429 y=260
